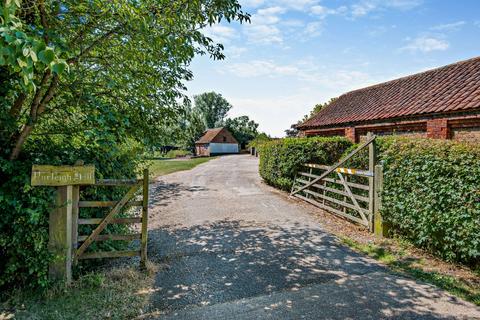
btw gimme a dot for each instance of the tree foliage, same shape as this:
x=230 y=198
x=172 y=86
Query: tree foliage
x=212 y=107
x=242 y=128
x=119 y=59
x=92 y=80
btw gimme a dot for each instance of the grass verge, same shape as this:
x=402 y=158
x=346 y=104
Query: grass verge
x=399 y=261
x=162 y=167
x=119 y=293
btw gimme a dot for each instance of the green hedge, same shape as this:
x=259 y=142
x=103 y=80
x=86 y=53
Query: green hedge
x=431 y=187
x=432 y=195
x=281 y=159
x=25 y=209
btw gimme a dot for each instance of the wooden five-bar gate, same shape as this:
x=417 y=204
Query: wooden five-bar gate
x=65 y=243
x=353 y=194
x=128 y=200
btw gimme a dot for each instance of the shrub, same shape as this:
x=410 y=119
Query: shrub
x=25 y=209
x=432 y=195
x=281 y=159
x=431 y=190
x=177 y=153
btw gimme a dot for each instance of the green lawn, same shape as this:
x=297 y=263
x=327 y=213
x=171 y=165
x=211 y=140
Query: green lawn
x=162 y=167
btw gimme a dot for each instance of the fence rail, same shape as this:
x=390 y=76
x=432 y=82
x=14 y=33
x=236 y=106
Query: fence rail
x=81 y=242
x=348 y=192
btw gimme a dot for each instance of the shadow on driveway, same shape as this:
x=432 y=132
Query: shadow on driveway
x=242 y=270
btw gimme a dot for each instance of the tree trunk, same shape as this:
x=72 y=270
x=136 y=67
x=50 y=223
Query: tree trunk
x=37 y=107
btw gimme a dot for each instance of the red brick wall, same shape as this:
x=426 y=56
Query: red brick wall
x=462 y=128
x=350 y=134
x=438 y=129
x=466 y=134
x=202 y=150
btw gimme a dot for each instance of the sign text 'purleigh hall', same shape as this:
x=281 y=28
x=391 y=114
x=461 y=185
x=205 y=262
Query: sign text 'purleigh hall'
x=45 y=175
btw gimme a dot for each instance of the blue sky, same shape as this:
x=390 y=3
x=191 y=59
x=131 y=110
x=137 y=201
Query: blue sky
x=296 y=53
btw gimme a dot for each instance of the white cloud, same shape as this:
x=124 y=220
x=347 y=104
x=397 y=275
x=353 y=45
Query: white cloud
x=426 y=44
x=263 y=29
x=263 y=34
x=260 y=68
x=323 y=12
x=455 y=26
x=251 y=3
x=313 y=29
x=235 y=51
x=306 y=70
x=365 y=7
x=220 y=33
x=300 y=5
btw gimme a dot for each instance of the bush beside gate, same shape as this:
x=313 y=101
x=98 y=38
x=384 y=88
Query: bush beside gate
x=281 y=159
x=432 y=195
x=431 y=187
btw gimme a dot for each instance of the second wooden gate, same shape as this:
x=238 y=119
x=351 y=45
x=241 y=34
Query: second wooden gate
x=351 y=193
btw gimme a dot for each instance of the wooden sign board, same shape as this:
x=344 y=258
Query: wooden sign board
x=45 y=175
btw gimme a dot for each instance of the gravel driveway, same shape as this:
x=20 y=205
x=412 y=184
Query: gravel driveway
x=238 y=249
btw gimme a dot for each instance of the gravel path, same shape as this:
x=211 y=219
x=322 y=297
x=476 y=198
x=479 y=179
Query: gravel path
x=238 y=249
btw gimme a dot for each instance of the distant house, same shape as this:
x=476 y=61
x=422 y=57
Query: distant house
x=216 y=141
x=442 y=103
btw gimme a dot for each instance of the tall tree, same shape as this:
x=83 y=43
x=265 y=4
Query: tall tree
x=76 y=65
x=243 y=129
x=212 y=107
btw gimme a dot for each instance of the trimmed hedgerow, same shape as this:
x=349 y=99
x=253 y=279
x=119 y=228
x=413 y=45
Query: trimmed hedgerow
x=432 y=195
x=281 y=159
x=431 y=190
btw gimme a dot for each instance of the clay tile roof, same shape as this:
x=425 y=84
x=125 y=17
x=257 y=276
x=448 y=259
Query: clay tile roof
x=209 y=135
x=455 y=87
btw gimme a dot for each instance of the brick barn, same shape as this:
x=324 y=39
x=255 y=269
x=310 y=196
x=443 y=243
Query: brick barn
x=442 y=103
x=216 y=141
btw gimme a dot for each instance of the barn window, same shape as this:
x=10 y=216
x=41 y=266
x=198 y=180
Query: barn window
x=224 y=139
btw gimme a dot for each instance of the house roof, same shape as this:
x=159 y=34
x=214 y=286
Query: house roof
x=452 y=88
x=211 y=136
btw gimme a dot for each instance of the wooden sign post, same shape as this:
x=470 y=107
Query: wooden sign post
x=67 y=180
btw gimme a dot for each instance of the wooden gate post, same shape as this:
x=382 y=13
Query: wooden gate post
x=380 y=228
x=144 y=240
x=372 y=159
x=60 y=236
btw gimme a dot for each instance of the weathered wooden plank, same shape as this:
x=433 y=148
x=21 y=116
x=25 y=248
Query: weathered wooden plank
x=117 y=182
x=60 y=236
x=350 y=184
x=355 y=172
x=316 y=166
x=357 y=207
x=107 y=220
x=108 y=254
x=340 y=163
x=102 y=204
x=115 y=237
x=75 y=214
x=380 y=229
x=333 y=200
x=372 y=160
x=144 y=241
x=46 y=175
x=340 y=192
x=330 y=209
x=113 y=221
